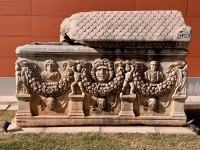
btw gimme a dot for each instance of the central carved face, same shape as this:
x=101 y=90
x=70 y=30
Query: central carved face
x=102 y=70
x=102 y=73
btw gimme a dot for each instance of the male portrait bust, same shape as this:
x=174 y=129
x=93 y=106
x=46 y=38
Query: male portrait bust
x=153 y=75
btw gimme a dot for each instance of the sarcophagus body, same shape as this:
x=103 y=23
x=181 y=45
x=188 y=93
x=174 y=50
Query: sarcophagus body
x=109 y=68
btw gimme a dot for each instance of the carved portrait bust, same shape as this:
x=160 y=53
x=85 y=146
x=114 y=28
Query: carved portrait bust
x=50 y=74
x=153 y=75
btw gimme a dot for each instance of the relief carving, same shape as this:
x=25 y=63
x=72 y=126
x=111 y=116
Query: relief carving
x=47 y=88
x=159 y=88
x=78 y=69
x=101 y=104
x=21 y=68
x=106 y=79
x=103 y=82
x=50 y=74
x=51 y=103
x=152 y=103
x=180 y=70
x=153 y=75
x=128 y=77
x=184 y=33
x=102 y=70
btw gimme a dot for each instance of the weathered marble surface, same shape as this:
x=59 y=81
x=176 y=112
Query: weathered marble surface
x=132 y=71
x=94 y=87
x=131 y=29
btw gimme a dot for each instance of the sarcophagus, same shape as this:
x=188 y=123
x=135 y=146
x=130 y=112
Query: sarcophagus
x=109 y=68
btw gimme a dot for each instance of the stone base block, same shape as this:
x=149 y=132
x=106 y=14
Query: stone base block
x=23 y=105
x=109 y=120
x=127 y=105
x=76 y=105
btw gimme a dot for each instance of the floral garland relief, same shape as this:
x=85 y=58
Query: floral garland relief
x=101 y=78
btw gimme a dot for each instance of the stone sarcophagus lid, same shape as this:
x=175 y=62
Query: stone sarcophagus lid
x=109 y=68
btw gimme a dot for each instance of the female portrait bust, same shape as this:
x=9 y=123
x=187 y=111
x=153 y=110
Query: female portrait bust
x=50 y=74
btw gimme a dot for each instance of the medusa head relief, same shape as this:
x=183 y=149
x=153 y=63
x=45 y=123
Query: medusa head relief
x=102 y=70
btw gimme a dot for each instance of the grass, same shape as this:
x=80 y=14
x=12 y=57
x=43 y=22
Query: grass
x=97 y=141
x=7 y=115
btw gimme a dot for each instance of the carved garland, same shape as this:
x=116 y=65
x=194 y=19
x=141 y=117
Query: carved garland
x=55 y=89
x=102 y=89
x=155 y=90
x=176 y=78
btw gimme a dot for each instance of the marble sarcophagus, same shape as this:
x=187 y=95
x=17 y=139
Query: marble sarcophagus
x=109 y=68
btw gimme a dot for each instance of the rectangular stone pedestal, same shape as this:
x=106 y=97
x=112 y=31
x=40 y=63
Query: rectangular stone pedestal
x=178 y=106
x=23 y=105
x=76 y=105
x=127 y=105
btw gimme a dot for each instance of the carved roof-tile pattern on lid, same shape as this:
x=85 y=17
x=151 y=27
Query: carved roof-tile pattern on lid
x=126 y=26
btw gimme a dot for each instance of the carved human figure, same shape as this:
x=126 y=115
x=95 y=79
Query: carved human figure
x=180 y=69
x=128 y=77
x=21 y=71
x=18 y=77
x=181 y=89
x=50 y=74
x=153 y=75
x=77 y=70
